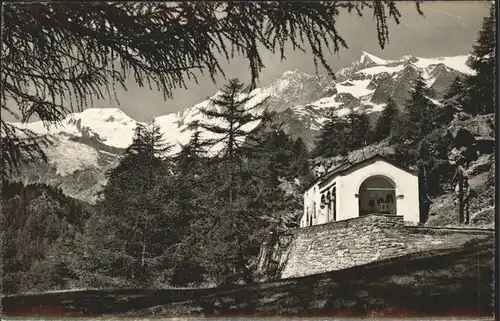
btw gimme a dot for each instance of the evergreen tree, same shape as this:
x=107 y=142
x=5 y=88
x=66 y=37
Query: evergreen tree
x=332 y=139
x=456 y=89
x=241 y=190
x=191 y=177
x=418 y=123
x=230 y=234
x=35 y=218
x=134 y=211
x=386 y=123
x=230 y=111
x=420 y=111
x=277 y=152
x=481 y=86
x=417 y=147
x=358 y=130
x=191 y=157
x=453 y=100
x=300 y=160
x=148 y=151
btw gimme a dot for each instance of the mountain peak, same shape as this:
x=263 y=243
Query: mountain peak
x=407 y=57
x=103 y=113
x=368 y=57
x=290 y=73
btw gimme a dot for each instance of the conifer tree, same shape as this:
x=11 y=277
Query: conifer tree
x=456 y=89
x=482 y=85
x=277 y=153
x=194 y=200
x=134 y=211
x=146 y=153
x=243 y=186
x=192 y=167
x=358 y=129
x=419 y=121
x=192 y=155
x=386 y=123
x=235 y=118
x=420 y=109
x=454 y=100
x=300 y=161
x=227 y=231
x=332 y=139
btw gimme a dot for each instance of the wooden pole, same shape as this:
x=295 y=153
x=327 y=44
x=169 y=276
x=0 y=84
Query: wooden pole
x=467 y=198
x=461 y=198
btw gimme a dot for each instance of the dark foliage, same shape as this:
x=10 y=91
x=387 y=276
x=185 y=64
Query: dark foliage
x=135 y=213
x=243 y=188
x=339 y=135
x=480 y=95
x=333 y=138
x=358 y=129
x=36 y=220
x=387 y=123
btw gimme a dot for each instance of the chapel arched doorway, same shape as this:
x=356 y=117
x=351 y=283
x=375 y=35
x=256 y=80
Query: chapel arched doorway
x=377 y=195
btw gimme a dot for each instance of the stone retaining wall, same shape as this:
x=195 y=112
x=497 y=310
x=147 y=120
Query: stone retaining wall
x=340 y=245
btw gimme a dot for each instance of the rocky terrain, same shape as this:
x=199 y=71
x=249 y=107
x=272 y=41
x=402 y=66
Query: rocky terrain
x=87 y=144
x=470 y=136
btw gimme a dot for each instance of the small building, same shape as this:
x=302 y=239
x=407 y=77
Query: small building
x=372 y=186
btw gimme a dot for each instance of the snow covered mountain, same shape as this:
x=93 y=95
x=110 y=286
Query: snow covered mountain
x=88 y=143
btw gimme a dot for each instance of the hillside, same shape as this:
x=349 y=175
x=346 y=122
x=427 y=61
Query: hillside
x=88 y=143
x=473 y=136
x=434 y=283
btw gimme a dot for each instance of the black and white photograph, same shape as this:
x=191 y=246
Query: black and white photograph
x=234 y=160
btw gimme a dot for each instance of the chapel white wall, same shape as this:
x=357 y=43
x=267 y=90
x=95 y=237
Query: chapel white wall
x=406 y=185
x=347 y=204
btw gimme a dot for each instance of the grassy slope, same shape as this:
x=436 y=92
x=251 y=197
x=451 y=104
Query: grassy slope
x=444 y=282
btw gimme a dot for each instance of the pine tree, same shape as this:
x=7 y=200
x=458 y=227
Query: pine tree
x=456 y=89
x=358 y=129
x=231 y=112
x=191 y=167
x=277 y=152
x=332 y=139
x=419 y=121
x=233 y=232
x=242 y=186
x=300 y=161
x=192 y=155
x=421 y=110
x=146 y=154
x=481 y=98
x=134 y=211
x=454 y=100
x=386 y=123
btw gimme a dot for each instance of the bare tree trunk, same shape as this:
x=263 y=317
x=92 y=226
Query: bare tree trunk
x=467 y=198
x=461 y=199
x=143 y=253
x=467 y=214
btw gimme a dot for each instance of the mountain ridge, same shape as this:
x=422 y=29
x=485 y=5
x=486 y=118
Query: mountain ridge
x=89 y=142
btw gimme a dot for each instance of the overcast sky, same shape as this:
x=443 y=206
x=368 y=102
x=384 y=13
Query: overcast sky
x=449 y=28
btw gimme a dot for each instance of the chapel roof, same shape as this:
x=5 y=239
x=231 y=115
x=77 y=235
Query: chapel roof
x=344 y=167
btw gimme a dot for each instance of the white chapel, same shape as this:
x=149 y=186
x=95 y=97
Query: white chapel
x=372 y=186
